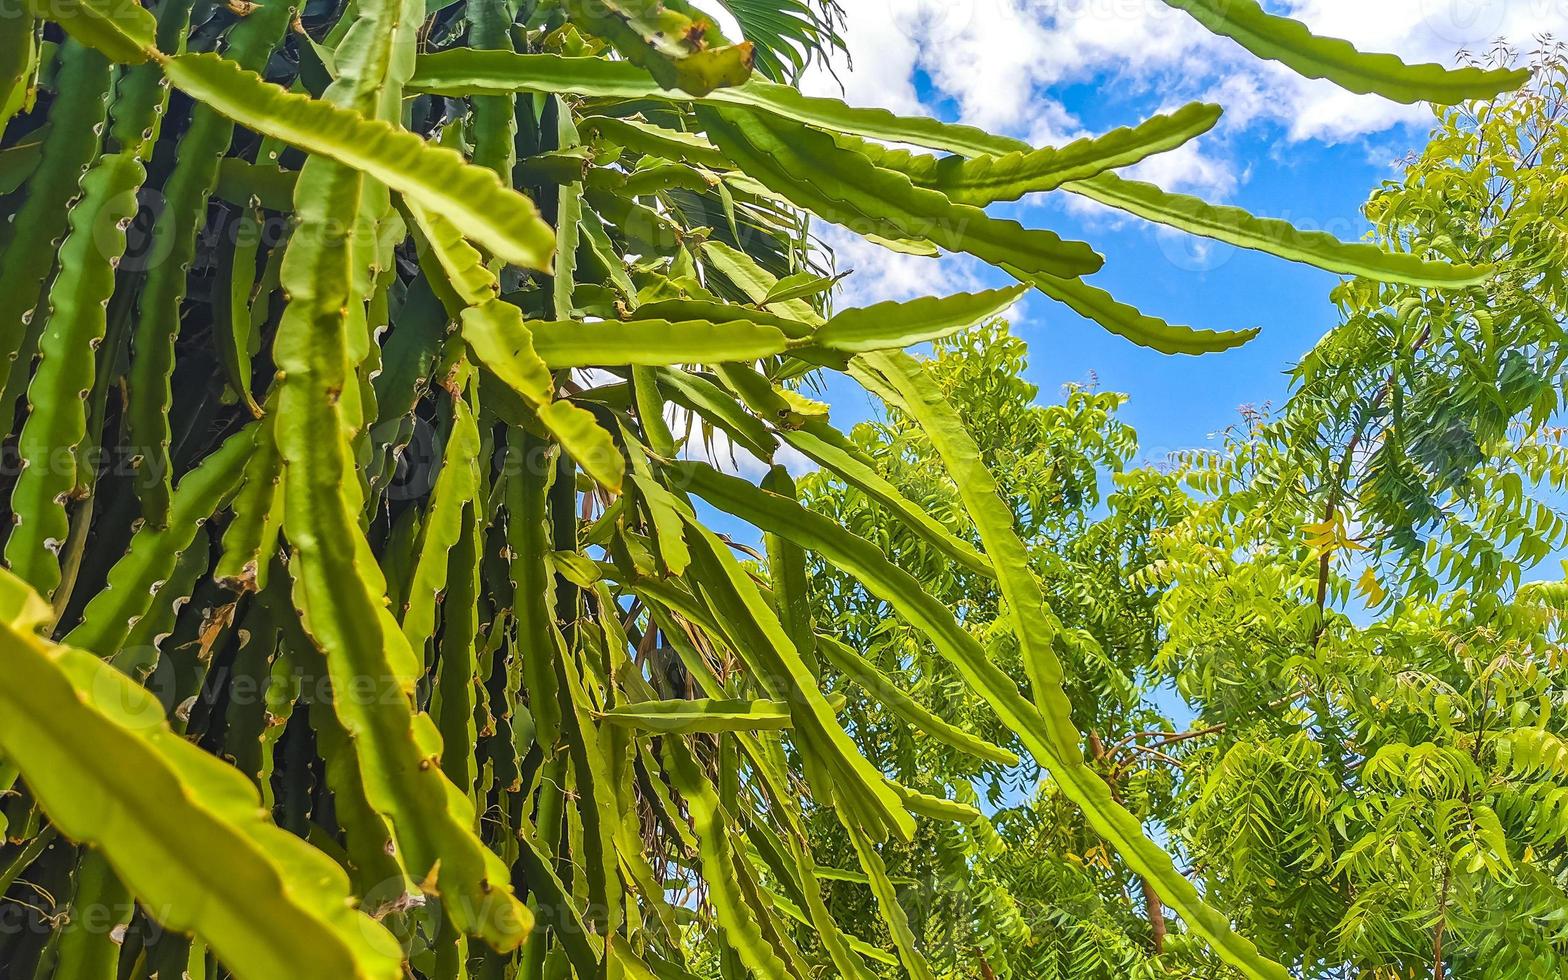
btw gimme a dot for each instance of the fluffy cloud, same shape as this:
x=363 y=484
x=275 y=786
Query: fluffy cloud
x=725 y=456
x=997 y=61
x=718 y=450
x=1418 y=30
x=1189 y=168
x=1010 y=65
x=882 y=274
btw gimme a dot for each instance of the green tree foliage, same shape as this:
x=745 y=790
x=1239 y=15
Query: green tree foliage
x=1404 y=757
x=361 y=616
x=1423 y=409
x=1023 y=896
x=1323 y=658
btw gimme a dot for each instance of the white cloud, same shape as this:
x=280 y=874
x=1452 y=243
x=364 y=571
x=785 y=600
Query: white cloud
x=992 y=65
x=1190 y=169
x=996 y=60
x=1052 y=125
x=883 y=274
x=1419 y=31
x=720 y=452
x=883 y=64
x=594 y=377
x=1006 y=65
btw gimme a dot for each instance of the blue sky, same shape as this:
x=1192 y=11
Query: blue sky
x=1177 y=402
x=1053 y=70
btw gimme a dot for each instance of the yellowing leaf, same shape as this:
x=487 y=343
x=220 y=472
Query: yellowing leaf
x=1370 y=587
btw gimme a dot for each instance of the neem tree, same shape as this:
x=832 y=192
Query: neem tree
x=331 y=719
